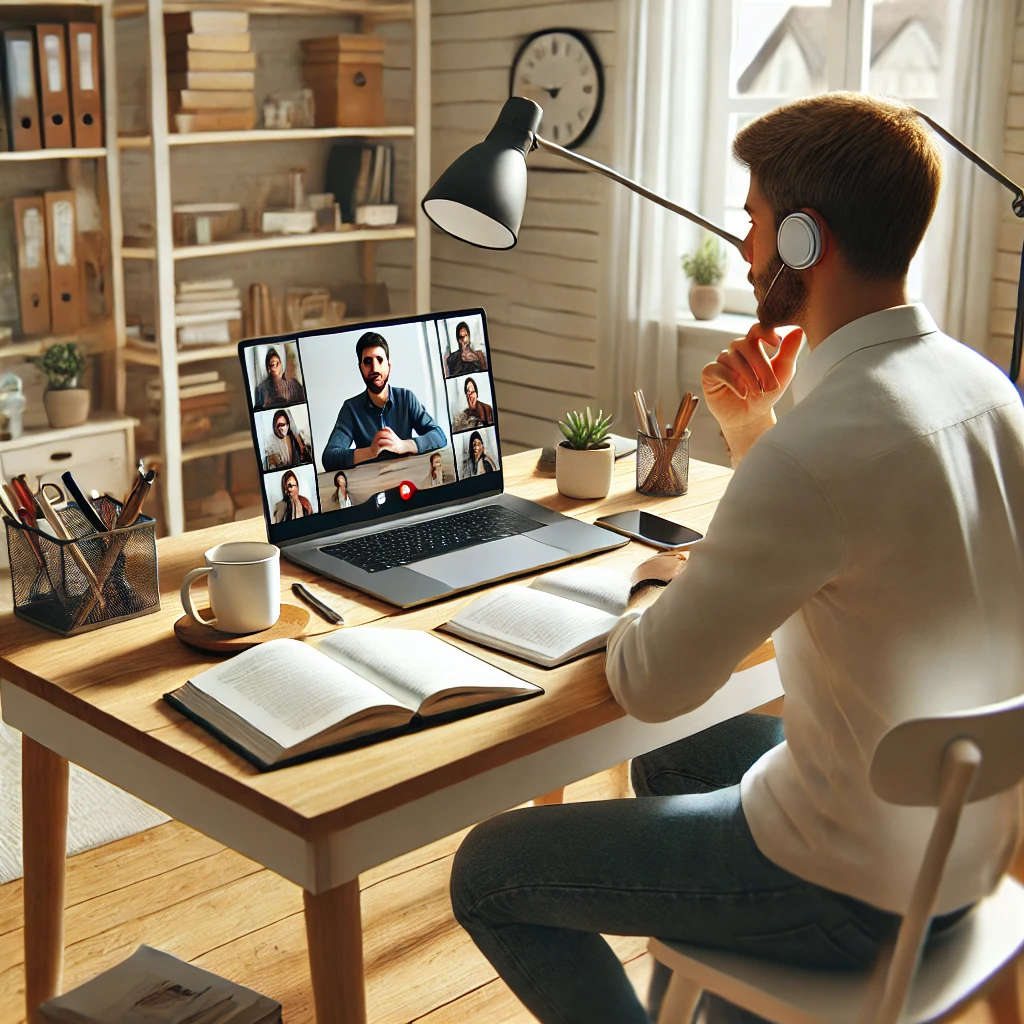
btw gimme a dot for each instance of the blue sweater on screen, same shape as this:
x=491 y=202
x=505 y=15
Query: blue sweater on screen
x=360 y=419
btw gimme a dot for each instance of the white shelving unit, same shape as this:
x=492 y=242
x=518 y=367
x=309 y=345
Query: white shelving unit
x=166 y=257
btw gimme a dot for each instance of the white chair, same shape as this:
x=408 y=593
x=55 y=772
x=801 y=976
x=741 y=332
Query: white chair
x=944 y=762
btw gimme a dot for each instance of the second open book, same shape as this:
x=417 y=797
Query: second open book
x=558 y=617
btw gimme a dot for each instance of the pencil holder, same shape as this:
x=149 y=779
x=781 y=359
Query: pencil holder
x=662 y=464
x=72 y=586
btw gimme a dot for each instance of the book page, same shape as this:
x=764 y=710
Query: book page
x=533 y=621
x=414 y=666
x=289 y=691
x=591 y=585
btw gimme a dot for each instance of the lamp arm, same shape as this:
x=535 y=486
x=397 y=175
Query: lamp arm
x=593 y=165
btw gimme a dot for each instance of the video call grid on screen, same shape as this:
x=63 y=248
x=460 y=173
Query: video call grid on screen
x=315 y=424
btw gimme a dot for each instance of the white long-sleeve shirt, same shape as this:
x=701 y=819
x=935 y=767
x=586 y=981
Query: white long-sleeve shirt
x=877 y=533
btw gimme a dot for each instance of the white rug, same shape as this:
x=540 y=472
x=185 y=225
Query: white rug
x=98 y=812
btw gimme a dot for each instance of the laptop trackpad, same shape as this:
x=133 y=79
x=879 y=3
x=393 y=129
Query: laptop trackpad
x=490 y=561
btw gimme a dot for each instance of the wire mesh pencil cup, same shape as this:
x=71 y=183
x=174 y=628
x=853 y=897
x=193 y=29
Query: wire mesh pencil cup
x=662 y=464
x=72 y=586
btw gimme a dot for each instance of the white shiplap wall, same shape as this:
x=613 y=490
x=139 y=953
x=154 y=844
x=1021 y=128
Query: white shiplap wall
x=543 y=297
x=1003 y=302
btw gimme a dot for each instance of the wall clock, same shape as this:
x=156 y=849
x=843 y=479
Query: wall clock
x=559 y=69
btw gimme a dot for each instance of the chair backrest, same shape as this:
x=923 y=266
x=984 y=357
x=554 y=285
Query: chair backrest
x=945 y=762
x=907 y=764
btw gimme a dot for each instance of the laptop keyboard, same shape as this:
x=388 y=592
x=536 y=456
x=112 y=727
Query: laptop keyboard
x=379 y=551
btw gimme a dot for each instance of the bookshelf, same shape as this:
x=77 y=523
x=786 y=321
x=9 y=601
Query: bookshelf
x=183 y=165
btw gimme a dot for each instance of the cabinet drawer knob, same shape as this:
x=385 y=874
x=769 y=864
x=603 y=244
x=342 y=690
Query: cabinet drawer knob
x=60 y=456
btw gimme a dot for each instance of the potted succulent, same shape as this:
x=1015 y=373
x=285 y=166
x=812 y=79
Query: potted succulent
x=706 y=268
x=67 y=404
x=585 y=459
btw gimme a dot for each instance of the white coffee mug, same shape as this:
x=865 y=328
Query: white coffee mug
x=245 y=586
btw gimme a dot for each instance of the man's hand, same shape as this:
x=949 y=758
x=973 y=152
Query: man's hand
x=742 y=386
x=386 y=440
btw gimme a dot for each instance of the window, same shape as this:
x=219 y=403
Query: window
x=780 y=50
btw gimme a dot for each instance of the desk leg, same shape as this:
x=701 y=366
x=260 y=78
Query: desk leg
x=556 y=796
x=44 y=801
x=334 y=934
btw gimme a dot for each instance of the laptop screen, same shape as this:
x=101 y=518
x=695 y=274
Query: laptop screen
x=362 y=423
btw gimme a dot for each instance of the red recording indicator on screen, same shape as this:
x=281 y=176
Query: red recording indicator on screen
x=406 y=490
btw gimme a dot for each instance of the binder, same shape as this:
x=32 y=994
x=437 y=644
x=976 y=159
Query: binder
x=33 y=273
x=61 y=246
x=20 y=89
x=53 y=87
x=86 y=97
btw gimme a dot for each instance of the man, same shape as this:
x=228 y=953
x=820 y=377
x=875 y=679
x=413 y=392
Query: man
x=286 y=446
x=476 y=413
x=381 y=420
x=874 y=533
x=465 y=359
x=277 y=389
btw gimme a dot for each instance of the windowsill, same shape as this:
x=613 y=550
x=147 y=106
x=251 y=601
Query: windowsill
x=727 y=325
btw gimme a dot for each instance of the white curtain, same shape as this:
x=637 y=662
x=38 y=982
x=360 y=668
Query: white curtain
x=961 y=246
x=660 y=143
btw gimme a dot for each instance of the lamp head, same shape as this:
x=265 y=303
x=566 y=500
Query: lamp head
x=480 y=198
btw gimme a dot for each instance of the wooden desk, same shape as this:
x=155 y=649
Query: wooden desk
x=95 y=699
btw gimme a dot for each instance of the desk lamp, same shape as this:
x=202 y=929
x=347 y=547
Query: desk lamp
x=480 y=197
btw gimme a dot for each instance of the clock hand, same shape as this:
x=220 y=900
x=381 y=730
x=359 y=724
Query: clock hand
x=552 y=91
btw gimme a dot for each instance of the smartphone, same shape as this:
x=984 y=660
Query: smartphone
x=651 y=529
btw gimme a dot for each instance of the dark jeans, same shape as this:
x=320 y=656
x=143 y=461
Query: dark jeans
x=536 y=887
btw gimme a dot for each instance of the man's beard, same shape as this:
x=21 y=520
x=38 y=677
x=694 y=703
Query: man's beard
x=376 y=389
x=783 y=303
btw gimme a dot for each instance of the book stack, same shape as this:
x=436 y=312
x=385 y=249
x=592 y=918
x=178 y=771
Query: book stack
x=158 y=988
x=206 y=404
x=211 y=71
x=208 y=313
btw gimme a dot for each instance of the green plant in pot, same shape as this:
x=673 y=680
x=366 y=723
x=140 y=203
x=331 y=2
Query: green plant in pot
x=66 y=402
x=584 y=461
x=706 y=270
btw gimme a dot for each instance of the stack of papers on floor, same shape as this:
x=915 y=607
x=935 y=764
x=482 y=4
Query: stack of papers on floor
x=152 y=987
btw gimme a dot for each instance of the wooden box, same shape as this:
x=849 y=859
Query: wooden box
x=346 y=74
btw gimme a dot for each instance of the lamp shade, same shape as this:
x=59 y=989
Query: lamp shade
x=480 y=198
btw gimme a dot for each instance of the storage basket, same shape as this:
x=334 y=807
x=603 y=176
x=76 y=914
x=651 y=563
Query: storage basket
x=72 y=586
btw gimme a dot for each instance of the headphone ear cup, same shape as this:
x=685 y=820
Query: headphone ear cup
x=799 y=241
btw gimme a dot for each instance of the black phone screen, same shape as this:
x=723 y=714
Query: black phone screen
x=648 y=527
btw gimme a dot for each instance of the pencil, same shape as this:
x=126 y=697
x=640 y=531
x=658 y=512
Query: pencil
x=688 y=415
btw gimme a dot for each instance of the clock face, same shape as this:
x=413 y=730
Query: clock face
x=560 y=70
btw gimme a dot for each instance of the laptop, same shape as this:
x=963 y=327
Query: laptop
x=403 y=500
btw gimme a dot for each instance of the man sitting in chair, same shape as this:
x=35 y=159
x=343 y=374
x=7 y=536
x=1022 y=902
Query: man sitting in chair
x=875 y=533
x=380 y=421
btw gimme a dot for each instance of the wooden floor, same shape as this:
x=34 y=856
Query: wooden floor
x=175 y=889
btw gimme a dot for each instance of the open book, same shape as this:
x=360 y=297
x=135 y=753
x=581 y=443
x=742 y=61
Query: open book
x=556 y=618
x=153 y=987
x=284 y=700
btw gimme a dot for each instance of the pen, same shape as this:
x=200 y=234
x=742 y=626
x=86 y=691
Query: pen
x=688 y=415
x=85 y=506
x=315 y=603
x=133 y=503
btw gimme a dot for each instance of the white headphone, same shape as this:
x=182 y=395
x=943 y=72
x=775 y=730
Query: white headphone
x=799 y=241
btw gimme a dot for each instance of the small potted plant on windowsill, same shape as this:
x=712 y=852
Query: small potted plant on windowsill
x=584 y=461
x=66 y=403
x=706 y=268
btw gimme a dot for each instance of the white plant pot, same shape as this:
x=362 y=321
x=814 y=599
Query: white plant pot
x=68 y=407
x=586 y=473
x=706 y=301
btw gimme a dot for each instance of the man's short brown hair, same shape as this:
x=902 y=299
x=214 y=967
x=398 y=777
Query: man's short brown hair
x=867 y=165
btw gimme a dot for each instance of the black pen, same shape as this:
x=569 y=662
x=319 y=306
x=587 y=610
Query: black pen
x=85 y=506
x=315 y=603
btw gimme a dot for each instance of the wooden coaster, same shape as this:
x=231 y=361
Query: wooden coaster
x=291 y=625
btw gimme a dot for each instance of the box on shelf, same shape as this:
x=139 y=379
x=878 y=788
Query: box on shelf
x=290 y=110
x=378 y=215
x=288 y=222
x=346 y=74
x=203 y=223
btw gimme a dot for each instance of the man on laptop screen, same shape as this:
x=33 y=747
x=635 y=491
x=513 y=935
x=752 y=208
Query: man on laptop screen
x=382 y=419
